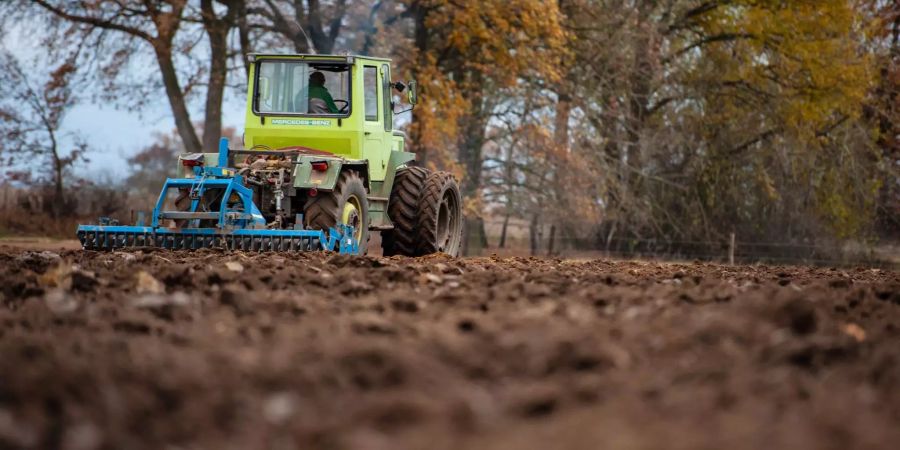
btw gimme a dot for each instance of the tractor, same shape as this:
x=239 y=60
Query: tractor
x=321 y=168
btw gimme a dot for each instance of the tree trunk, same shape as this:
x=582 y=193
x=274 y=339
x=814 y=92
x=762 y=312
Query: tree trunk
x=217 y=31
x=58 y=192
x=502 y=243
x=176 y=100
x=508 y=179
x=324 y=41
x=470 y=156
x=470 y=147
x=610 y=236
x=420 y=15
x=244 y=36
x=552 y=238
x=561 y=190
x=637 y=110
x=534 y=234
x=56 y=206
x=561 y=121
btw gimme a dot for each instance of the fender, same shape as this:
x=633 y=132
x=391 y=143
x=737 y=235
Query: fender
x=307 y=178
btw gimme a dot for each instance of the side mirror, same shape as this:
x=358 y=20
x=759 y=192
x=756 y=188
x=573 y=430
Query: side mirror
x=411 y=95
x=264 y=88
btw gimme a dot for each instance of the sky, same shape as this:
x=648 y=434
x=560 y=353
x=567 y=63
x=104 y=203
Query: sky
x=114 y=134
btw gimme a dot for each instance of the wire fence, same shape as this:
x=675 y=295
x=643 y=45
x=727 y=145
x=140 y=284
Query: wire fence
x=880 y=258
x=729 y=250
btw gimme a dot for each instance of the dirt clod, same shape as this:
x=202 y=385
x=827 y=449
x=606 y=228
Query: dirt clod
x=147 y=284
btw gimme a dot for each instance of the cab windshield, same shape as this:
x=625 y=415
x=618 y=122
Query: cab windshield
x=303 y=88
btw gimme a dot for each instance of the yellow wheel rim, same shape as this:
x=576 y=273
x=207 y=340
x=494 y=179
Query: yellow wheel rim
x=351 y=216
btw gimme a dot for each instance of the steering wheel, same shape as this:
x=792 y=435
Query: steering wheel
x=342 y=109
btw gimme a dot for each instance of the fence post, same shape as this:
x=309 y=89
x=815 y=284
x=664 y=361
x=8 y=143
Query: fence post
x=552 y=238
x=731 y=250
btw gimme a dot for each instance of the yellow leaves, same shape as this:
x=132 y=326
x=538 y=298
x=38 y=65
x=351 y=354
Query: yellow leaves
x=800 y=54
x=798 y=69
x=767 y=183
x=473 y=205
x=844 y=199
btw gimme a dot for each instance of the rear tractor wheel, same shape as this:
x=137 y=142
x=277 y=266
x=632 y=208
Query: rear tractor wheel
x=346 y=204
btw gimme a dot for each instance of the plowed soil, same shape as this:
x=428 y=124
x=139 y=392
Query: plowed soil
x=238 y=351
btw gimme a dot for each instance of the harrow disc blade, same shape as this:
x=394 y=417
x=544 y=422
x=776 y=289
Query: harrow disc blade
x=97 y=237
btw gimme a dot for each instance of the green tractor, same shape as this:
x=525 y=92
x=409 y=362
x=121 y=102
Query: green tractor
x=321 y=162
x=334 y=116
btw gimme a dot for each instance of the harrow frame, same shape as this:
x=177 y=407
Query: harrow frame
x=237 y=227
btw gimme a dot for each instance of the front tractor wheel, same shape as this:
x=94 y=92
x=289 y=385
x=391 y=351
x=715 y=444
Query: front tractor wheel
x=403 y=209
x=346 y=204
x=440 y=215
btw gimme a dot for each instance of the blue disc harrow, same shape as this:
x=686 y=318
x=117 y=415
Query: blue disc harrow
x=232 y=222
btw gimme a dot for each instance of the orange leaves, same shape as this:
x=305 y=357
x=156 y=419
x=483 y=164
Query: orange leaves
x=468 y=56
x=57 y=92
x=503 y=39
x=437 y=118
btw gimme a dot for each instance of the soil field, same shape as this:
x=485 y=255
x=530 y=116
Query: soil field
x=243 y=351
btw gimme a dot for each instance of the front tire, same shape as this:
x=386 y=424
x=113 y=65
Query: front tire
x=403 y=210
x=440 y=216
x=346 y=204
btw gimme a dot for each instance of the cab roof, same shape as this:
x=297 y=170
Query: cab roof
x=349 y=59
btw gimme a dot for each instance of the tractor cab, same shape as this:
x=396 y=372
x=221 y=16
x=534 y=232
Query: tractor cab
x=326 y=104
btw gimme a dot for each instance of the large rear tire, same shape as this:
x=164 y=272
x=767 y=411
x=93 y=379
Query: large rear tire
x=440 y=216
x=346 y=204
x=403 y=210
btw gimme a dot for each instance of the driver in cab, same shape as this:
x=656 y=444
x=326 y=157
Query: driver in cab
x=320 y=100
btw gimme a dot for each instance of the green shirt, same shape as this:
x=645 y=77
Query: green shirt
x=321 y=92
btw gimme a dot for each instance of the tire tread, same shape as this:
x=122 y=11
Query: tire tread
x=403 y=210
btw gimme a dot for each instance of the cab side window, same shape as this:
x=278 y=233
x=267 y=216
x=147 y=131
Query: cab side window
x=370 y=89
x=386 y=88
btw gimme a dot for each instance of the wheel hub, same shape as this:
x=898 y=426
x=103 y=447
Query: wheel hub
x=351 y=216
x=443 y=225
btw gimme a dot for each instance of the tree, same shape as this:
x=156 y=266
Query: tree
x=790 y=98
x=309 y=25
x=884 y=109
x=530 y=172
x=31 y=116
x=217 y=28
x=154 y=23
x=710 y=116
x=112 y=27
x=467 y=54
x=171 y=30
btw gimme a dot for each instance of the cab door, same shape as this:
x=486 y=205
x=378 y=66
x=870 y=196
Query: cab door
x=376 y=148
